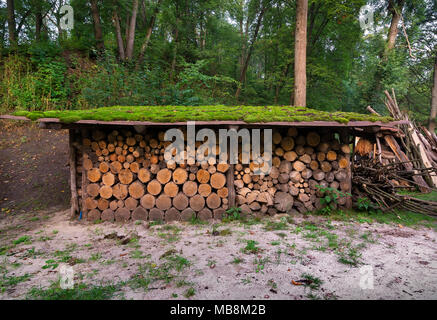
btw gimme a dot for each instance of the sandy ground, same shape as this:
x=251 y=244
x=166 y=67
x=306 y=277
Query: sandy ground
x=181 y=260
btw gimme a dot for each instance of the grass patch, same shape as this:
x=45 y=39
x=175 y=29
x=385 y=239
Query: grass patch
x=79 y=292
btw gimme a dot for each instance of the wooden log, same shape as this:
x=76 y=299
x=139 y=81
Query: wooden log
x=93 y=215
x=108 y=215
x=90 y=203
x=94 y=175
x=290 y=156
x=313 y=139
x=283 y=201
x=131 y=203
x=172 y=214
x=154 y=187
x=287 y=143
x=222 y=167
x=122 y=215
x=92 y=190
x=189 y=188
x=299 y=166
x=203 y=176
x=125 y=176
x=180 y=176
x=115 y=167
x=318 y=175
x=180 y=201
x=305 y=158
x=188 y=214
x=331 y=155
x=213 y=201
x=171 y=189
x=423 y=187
x=197 y=202
x=292 y=132
x=103 y=167
x=163 y=202
x=204 y=189
x=108 y=179
x=140 y=213
x=105 y=192
x=136 y=190
x=120 y=191
x=144 y=175
x=205 y=214
x=156 y=214
x=306 y=173
x=147 y=201
x=223 y=193
x=113 y=205
x=325 y=166
x=163 y=176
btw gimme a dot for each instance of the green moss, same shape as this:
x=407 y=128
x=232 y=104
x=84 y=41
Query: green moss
x=249 y=114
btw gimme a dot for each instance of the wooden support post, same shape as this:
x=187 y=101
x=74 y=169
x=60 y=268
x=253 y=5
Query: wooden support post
x=73 y=183
x=230 y=179
x=345 y=138
x=84 y=133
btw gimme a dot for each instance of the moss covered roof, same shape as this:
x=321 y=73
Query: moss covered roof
x=165 y=114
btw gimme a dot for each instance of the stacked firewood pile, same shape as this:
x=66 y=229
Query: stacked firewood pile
x=301 y=161
x=124 y=176
x=397 y=159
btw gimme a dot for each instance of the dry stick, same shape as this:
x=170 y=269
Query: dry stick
x=73 y=185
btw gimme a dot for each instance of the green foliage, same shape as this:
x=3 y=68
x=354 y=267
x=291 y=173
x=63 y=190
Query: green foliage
x=80 y=291
x=330 y=199
x=248 y=114
x=251 y=247
x=232 y=214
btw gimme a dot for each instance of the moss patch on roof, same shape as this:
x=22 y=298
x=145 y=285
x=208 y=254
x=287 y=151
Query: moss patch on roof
x=163 y=114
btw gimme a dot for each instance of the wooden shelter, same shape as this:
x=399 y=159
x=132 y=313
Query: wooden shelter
x=118 y=171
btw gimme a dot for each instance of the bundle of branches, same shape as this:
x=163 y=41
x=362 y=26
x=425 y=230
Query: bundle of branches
x=381 y=183
x=418 y=143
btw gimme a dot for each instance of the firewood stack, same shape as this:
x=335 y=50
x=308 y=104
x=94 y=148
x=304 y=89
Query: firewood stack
x=301 y=161
x=124 y=176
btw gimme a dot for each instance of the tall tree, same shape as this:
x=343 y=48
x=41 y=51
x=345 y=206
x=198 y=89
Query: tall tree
x=131 y=33
x=148 y=34
x=300 y=77
x=433 y=113
x=11 y=22
x=98 y=34
x=247 y=55
x=395 y=8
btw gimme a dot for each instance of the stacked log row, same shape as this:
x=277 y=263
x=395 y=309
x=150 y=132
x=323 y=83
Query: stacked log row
x=302 y=160
x=125 y=177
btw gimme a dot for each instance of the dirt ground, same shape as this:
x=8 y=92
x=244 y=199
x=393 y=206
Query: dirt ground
x=33 y=168
x=219 y=261
x=298 y=257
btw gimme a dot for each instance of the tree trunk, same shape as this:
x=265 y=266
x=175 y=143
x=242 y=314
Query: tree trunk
x=300 y=78
x=120 y=44
x=97 y=26
x=396 y=16
x=11 y=22
x=175 y=51
x=249 y=53
x=148 y=35
x=433 y=114
x=131 y=36
x=38 y=22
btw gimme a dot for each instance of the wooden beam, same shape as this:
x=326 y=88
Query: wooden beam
x=73 y=183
